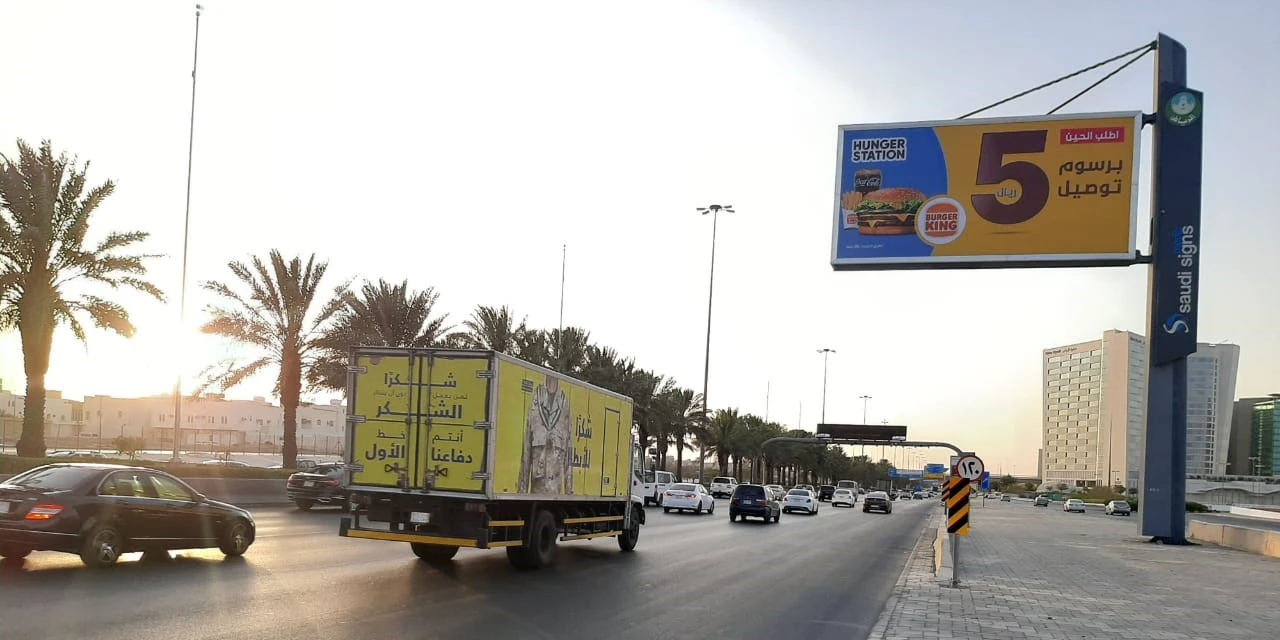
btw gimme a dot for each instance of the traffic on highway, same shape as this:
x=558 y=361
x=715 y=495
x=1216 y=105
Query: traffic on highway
x=695 y=576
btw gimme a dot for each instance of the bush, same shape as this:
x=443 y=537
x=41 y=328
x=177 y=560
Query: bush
x=10 y=465
x=1196 y=507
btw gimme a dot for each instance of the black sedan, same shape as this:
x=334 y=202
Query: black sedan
x=826 y=491
x=322 y=485
x=100 y=511
x=877 y=500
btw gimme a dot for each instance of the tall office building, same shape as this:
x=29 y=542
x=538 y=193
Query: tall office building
x=1264 y=454
x=1094 y=410
x=1238 y=450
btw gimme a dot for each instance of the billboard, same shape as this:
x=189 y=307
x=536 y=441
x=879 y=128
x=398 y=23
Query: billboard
x=995 y=192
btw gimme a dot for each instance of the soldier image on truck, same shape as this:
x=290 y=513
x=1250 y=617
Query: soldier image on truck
x=450 y=449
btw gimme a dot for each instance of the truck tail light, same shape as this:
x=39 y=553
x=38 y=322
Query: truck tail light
x=44 y=511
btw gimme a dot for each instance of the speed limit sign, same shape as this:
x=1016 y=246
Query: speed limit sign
x=970 y=467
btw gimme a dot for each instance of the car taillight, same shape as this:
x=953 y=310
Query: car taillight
x=667 y=494
x=44 y=511
x=330 y=483
x=734 y=501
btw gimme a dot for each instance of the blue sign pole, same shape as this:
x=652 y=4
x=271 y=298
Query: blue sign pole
x=1173 y=293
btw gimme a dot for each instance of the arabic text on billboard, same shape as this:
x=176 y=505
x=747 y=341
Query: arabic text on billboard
x=1005 y=192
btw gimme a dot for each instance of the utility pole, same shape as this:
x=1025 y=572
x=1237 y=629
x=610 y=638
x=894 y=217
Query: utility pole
x=825 y=353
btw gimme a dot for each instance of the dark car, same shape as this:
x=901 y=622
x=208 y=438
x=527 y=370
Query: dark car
x=877 y=500
x=826 y=491
x=753 y=500
x=1041 y=501
x=322 y=484
x=100 y=511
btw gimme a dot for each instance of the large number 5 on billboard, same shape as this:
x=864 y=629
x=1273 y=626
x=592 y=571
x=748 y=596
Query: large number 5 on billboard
x=992 y=171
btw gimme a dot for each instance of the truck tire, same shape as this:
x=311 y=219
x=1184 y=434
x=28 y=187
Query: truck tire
x=630 y=536
x=433 y=553
x=539 y=548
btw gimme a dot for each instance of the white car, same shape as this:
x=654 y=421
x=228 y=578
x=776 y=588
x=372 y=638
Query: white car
x=776 y=491
x=1074 y=504
x=844 y=497
x=686 y=496
x=723 y=486
x=801 y=500
x=660 y=481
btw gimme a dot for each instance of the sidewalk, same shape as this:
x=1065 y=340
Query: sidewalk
x=1037 y=573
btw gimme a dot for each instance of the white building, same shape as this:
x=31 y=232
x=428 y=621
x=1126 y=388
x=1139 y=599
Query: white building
x=1094 y=410
x=211 y=421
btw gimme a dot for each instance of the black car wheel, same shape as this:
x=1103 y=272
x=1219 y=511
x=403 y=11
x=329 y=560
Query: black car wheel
x=304 y=505
x=235 y=539
x=102 y=546
x=14 y=552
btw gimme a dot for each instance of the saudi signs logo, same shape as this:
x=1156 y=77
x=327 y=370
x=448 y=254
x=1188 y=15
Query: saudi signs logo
x=1183 y=109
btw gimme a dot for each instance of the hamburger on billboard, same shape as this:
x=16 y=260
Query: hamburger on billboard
x=1003 y=192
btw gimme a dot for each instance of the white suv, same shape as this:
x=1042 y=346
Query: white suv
x=723 y=486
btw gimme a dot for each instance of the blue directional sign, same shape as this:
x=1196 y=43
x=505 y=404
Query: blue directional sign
x=986 y=480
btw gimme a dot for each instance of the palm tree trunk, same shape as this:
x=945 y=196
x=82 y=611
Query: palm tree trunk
x=662 y=454
x=36 y=329
x=290 y=392
x=680 y=460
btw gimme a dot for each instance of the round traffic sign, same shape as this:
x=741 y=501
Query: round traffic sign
x=970 y=467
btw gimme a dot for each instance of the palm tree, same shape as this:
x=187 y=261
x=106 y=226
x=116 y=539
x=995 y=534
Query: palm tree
x=567 y=349
x=43 y=256
x=492 y=328
x=383 y=315
x=679 y=415
x=531 y=345
x=719 y=436
x=279 y=319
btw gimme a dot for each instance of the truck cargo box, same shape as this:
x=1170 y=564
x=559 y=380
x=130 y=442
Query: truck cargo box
x=483 y=425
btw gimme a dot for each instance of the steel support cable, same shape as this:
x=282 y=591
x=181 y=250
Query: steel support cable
x=1150 y=46
x=1102 y=79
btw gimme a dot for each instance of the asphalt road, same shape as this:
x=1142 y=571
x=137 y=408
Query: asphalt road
x=812 y=577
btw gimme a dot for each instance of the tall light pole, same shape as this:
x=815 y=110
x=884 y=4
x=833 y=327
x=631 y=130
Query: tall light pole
x=714 y=210
x=825 y=353
x=864 y=417
x=186 y=226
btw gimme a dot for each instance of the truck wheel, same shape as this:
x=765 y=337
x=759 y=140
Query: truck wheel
x=433 y=553
x=539 y=550
x=630 y=536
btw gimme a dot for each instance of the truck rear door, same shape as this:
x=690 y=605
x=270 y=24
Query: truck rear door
x=452 y=426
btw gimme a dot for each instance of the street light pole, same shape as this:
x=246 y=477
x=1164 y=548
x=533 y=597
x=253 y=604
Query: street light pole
x=186 y=226
x=864 y=418
x=714 y=210
x=825 y=353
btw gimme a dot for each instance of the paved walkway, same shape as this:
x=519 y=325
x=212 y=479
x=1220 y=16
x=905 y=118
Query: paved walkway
x=1029 y=572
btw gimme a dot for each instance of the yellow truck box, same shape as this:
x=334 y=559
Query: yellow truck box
x=483 y=423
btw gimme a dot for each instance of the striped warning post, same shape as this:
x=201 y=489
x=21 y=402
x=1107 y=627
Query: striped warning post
x=957 y=498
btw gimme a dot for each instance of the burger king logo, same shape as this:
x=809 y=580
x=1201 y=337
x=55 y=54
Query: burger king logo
x=940 y=221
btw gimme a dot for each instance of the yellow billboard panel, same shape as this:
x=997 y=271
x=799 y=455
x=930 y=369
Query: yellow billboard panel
x=1036 y=191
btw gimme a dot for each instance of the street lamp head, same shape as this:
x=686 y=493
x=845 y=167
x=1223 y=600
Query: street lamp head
x=826 y=350
x=715 y=208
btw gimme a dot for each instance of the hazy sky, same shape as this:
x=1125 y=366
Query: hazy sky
x=461 y=144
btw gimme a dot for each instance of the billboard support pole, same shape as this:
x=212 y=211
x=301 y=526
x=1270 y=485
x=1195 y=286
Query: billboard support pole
x=1172 y=294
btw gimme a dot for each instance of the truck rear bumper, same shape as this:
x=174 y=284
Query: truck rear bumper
x=347 y=529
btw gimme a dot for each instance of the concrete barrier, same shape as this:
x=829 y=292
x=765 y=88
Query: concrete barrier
x=1258 y=541
x=1255 y=513
x=242 y=492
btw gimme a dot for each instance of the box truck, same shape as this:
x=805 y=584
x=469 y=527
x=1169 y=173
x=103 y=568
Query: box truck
x=450 y=449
